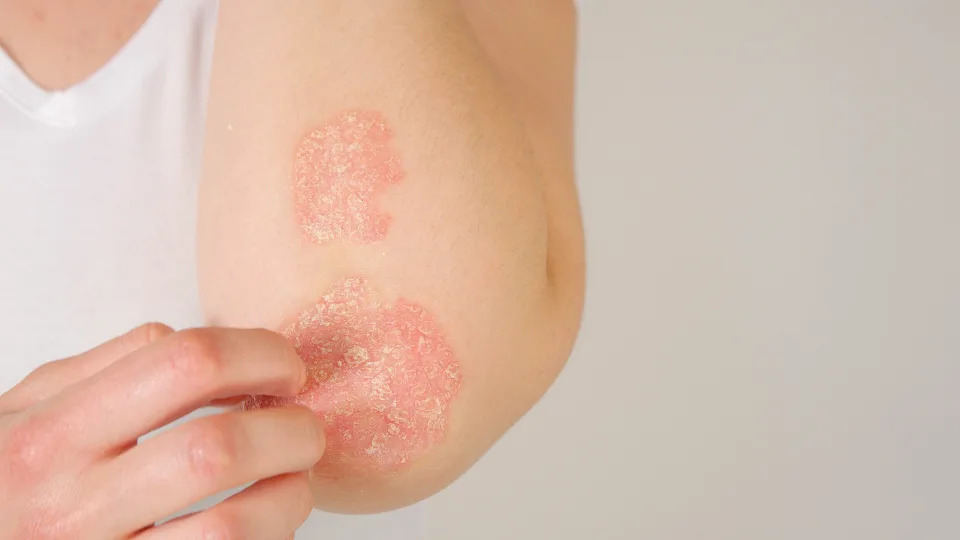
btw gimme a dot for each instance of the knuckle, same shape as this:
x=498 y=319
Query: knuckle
x=44 y=373
x=47 y=369
x=26 y=451
x=210 y=451
x=195 y=357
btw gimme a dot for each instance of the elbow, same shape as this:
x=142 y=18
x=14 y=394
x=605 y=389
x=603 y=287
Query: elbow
x=498 y=389
x=383 y=491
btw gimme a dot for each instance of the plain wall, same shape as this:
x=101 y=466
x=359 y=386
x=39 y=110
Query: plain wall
x=770 y=347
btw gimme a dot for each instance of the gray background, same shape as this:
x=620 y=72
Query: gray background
x=770 y=347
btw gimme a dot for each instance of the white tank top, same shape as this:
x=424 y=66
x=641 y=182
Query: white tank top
x=98 y=203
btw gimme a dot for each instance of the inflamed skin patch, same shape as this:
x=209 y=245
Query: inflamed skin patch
x=340 y=170
x=381 y=376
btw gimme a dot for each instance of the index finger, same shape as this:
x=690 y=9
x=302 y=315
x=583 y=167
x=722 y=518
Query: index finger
x=52 y=377
x=173 y=376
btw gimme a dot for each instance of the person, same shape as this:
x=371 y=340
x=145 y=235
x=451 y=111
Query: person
x=362 y=216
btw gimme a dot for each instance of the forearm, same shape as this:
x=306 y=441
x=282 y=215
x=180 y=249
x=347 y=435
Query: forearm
x=462 y=232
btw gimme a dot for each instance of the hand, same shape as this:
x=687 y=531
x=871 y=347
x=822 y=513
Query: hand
x=70 y=465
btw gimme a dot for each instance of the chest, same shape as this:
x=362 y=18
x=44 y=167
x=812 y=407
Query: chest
x=59 y=44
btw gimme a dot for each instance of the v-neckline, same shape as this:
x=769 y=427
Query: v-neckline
x=103 y=87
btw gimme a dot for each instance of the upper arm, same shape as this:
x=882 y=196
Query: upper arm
x=369 y=190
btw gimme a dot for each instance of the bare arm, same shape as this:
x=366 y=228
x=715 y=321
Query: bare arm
x=378 y=187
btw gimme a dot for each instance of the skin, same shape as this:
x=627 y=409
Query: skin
x=65 y=471
x=59 y=44
x=484 y=234
x=340 y=169
x=382 y=377
x=481 y=229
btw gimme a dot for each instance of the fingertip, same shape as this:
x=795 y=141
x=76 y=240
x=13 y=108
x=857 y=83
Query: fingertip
x=297 y=382
x=318 y=429
x=303 y=376
x=302 y=373
x=290 y=352
x=321 y=433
